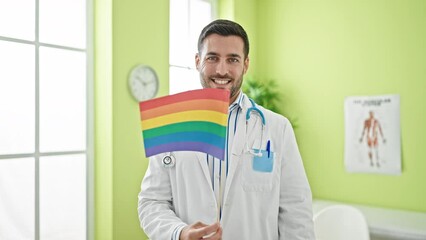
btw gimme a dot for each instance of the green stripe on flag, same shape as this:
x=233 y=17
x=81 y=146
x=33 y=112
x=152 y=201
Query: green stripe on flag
x=192 y=126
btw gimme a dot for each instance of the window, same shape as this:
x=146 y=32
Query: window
x=187 y=19
x=45 y=140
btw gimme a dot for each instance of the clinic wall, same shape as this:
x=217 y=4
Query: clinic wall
x=321 y=52
x=137 y=33
x=140 y=35
x=103 y=191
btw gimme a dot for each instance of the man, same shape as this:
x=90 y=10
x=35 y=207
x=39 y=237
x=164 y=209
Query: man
x=260 y=190
x=371 y=129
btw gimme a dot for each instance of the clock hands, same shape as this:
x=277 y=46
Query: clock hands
x=143 y=82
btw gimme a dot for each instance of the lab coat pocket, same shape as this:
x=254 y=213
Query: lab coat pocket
x=258 y=172
x=264 y=162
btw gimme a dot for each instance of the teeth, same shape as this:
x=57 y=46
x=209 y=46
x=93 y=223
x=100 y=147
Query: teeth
x=221 y=82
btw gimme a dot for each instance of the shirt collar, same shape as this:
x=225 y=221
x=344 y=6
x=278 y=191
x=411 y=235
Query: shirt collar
x=238 y=101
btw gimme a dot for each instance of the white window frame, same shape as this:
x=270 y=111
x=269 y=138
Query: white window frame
x=89 y=152
x=190 y=65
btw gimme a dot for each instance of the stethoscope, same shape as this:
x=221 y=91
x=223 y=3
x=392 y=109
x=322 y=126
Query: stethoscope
x=262 y=117
x=170 y=161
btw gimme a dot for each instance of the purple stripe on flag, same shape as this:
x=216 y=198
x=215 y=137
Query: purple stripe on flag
x=186 y=146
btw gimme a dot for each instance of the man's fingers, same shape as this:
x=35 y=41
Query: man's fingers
x=198 y=225
x=206 y=230
x=201 y=230
x=216 y=236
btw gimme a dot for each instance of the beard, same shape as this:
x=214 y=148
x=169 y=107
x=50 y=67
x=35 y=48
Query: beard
x=235 y=89
x=207 y=82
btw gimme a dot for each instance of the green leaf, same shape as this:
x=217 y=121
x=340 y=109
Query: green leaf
x=265 y=93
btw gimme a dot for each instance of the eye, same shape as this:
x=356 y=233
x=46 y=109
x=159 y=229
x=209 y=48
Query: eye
x=233 y=60
x=211 y=58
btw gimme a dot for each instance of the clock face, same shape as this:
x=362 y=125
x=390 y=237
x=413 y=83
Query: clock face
x=143 y=83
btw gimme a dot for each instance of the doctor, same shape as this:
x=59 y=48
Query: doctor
x=260 y=191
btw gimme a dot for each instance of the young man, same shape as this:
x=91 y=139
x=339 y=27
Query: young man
x=260 y=190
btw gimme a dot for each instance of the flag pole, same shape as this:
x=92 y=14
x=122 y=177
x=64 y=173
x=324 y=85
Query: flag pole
x=219 y=203
x=221 y=187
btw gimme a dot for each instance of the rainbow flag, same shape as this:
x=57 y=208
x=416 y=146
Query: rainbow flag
x=190 y=121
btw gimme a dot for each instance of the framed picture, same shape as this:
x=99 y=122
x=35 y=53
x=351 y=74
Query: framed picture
x=372 y=134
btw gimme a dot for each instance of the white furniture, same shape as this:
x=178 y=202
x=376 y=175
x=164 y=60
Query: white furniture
x=386 y=224
x=340 y=222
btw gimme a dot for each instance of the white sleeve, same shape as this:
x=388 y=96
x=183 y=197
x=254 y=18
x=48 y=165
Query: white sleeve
x=155 y=208
x=176 y=232
x=295 y=212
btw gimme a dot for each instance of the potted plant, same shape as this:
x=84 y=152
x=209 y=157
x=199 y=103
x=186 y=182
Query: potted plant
x=266 y=94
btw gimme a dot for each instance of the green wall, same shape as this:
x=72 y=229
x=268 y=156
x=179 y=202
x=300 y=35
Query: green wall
x=127 y=32
x=103 y=120
x=323 y=51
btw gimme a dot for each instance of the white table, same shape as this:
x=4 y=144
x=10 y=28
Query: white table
x=386 y=224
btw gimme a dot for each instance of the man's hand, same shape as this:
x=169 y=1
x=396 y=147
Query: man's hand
x=200 y=230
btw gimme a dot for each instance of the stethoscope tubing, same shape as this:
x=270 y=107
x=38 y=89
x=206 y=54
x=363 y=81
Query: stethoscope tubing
x=262 y=117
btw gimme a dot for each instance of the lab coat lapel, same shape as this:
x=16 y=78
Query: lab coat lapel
x=203 y=162
x=238 y=146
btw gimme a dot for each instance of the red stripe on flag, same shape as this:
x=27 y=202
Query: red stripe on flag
x=199 y=104
x=207 y=93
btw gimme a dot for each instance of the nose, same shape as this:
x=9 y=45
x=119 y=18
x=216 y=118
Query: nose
x=222 y=68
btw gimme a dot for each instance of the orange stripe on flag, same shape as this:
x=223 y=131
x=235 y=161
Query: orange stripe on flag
x=202 y=104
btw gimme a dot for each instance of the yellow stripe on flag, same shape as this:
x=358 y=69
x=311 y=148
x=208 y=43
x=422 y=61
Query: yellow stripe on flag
x=198 y=115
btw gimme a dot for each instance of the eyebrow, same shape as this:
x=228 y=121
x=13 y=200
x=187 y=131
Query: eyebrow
x=229 y=55
x=234 y=55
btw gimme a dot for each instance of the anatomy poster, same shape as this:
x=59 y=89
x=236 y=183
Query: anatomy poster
x=372 y=134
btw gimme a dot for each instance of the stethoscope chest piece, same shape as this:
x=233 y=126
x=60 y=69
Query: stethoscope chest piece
x=168 y=161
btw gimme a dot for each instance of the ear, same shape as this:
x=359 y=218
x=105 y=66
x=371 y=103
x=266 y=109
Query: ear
x=197 y=61
x=246 y=64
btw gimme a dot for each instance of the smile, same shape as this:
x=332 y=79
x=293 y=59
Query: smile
x=221 y=81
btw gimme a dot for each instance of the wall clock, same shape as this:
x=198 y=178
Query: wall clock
x=143 y=82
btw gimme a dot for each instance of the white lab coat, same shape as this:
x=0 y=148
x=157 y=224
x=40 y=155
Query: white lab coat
x=257 y=205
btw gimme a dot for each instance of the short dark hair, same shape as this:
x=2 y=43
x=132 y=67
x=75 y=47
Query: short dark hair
x=224 y=28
